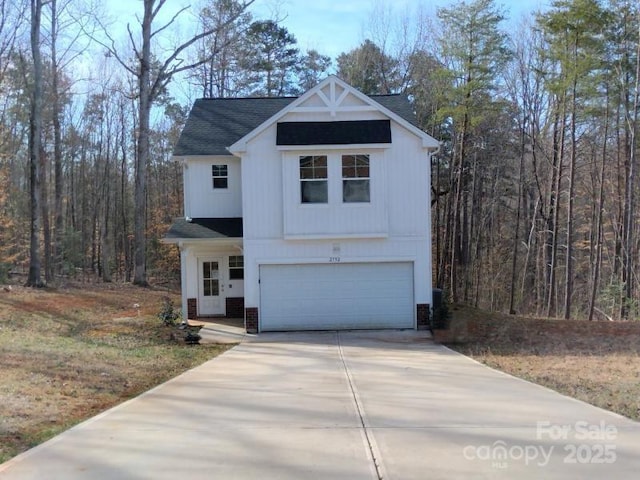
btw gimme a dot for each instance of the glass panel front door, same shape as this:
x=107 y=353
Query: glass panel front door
x=210 y=287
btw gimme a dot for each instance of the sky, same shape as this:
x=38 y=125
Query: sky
x=329 y=26
x=336 y=26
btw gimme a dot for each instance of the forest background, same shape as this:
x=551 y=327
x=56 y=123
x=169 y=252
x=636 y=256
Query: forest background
x=534 y=191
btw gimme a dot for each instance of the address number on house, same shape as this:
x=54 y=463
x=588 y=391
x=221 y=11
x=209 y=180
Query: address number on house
x=334 y=259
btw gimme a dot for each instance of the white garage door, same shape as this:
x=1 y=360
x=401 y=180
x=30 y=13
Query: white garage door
x=336 y=296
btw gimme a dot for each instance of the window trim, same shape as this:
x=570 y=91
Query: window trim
x=218 y=175
x=315 y=177
x=236 y=264
x=357 y=177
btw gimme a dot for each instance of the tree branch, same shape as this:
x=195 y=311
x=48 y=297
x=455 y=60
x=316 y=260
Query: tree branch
x=167 y=25
x=165 y=73
x=110 y=48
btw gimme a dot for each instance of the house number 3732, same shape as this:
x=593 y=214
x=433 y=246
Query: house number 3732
x=334 y=259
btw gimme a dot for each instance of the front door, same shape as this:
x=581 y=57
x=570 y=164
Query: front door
x=211 y=287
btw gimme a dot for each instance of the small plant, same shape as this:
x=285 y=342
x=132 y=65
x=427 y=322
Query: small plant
x=169 y=315
x=4 y=272
x=181 y=329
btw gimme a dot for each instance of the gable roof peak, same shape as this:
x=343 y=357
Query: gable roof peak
x=222 y=126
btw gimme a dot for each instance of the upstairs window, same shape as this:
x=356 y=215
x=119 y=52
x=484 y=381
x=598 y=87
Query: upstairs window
x=236 y=267
x=313 y=179
x=220 y=176
x=355 y=179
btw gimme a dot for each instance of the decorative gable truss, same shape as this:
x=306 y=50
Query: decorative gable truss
x=337 y=99
x=333 y=97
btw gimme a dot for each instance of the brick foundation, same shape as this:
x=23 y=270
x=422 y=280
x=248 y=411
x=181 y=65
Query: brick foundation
x=235 y=307
x=192 y=308
x=422 y=316
x=251 y=319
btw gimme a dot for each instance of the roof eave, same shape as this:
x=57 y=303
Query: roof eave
x=428 y=141
x=219 y=240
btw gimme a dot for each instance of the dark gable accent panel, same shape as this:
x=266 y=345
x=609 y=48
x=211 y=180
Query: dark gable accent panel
x=334 y=133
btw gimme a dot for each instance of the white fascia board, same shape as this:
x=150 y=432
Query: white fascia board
x=336 y=236
x=202 y=241
x=352 y=146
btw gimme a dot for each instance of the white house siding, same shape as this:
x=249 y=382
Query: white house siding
x=409 y=185
x=201 y=200
x=397 y=249
x=397 y=219
x=262 y=186
x=190 y=253
x=335 y=218
x=400 y=249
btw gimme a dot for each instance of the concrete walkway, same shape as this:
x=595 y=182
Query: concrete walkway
x=348 y=405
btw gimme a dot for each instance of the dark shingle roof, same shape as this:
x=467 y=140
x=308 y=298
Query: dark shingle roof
x=217 y=123
x=398 y=104
x=205 y=228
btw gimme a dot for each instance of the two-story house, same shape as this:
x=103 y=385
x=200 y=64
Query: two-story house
x=307 y=213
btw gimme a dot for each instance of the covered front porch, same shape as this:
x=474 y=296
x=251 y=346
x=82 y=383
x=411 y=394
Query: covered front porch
x=212 y=267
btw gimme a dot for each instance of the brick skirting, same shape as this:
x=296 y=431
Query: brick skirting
x=251 y=319
x=422 y=316
x=235 y=307
x=192 y=308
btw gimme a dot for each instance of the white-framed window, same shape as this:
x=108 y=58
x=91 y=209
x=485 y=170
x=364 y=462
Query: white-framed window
x=355 y=179
x=313 y=179
x=220 y=174
x=236 y=267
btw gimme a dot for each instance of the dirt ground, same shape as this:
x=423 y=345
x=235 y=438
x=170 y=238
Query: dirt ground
x=69 y=353
x=597 y=362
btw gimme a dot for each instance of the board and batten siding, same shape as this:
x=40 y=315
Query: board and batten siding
x=335 y=218
x=262 y=187
x=409 y=185
x=201 y=200
x=400 y=199
x=406 y=208
x=398 y=249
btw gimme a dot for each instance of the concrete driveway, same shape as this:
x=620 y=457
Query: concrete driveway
x=348 y=405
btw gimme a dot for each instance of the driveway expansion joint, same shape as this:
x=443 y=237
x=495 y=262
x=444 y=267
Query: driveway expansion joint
x=373 y=450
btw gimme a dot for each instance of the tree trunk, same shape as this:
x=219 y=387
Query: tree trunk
x=57 y=146
x=516 y=236
x=35 y=146
x=597 y=254
x=142 y=156
x=554 y=204
x=46 y=226
x=570 y=201
x=630 y=197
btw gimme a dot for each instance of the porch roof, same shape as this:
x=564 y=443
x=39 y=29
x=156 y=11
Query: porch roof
x=204 y=229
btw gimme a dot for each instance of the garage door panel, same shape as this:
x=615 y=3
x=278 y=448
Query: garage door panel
x=336 y=296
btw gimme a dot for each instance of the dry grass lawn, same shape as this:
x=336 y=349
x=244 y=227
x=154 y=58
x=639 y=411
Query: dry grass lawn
x=69 y=353
x=597 y=363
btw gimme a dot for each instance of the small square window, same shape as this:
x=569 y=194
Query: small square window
x=220 y=176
